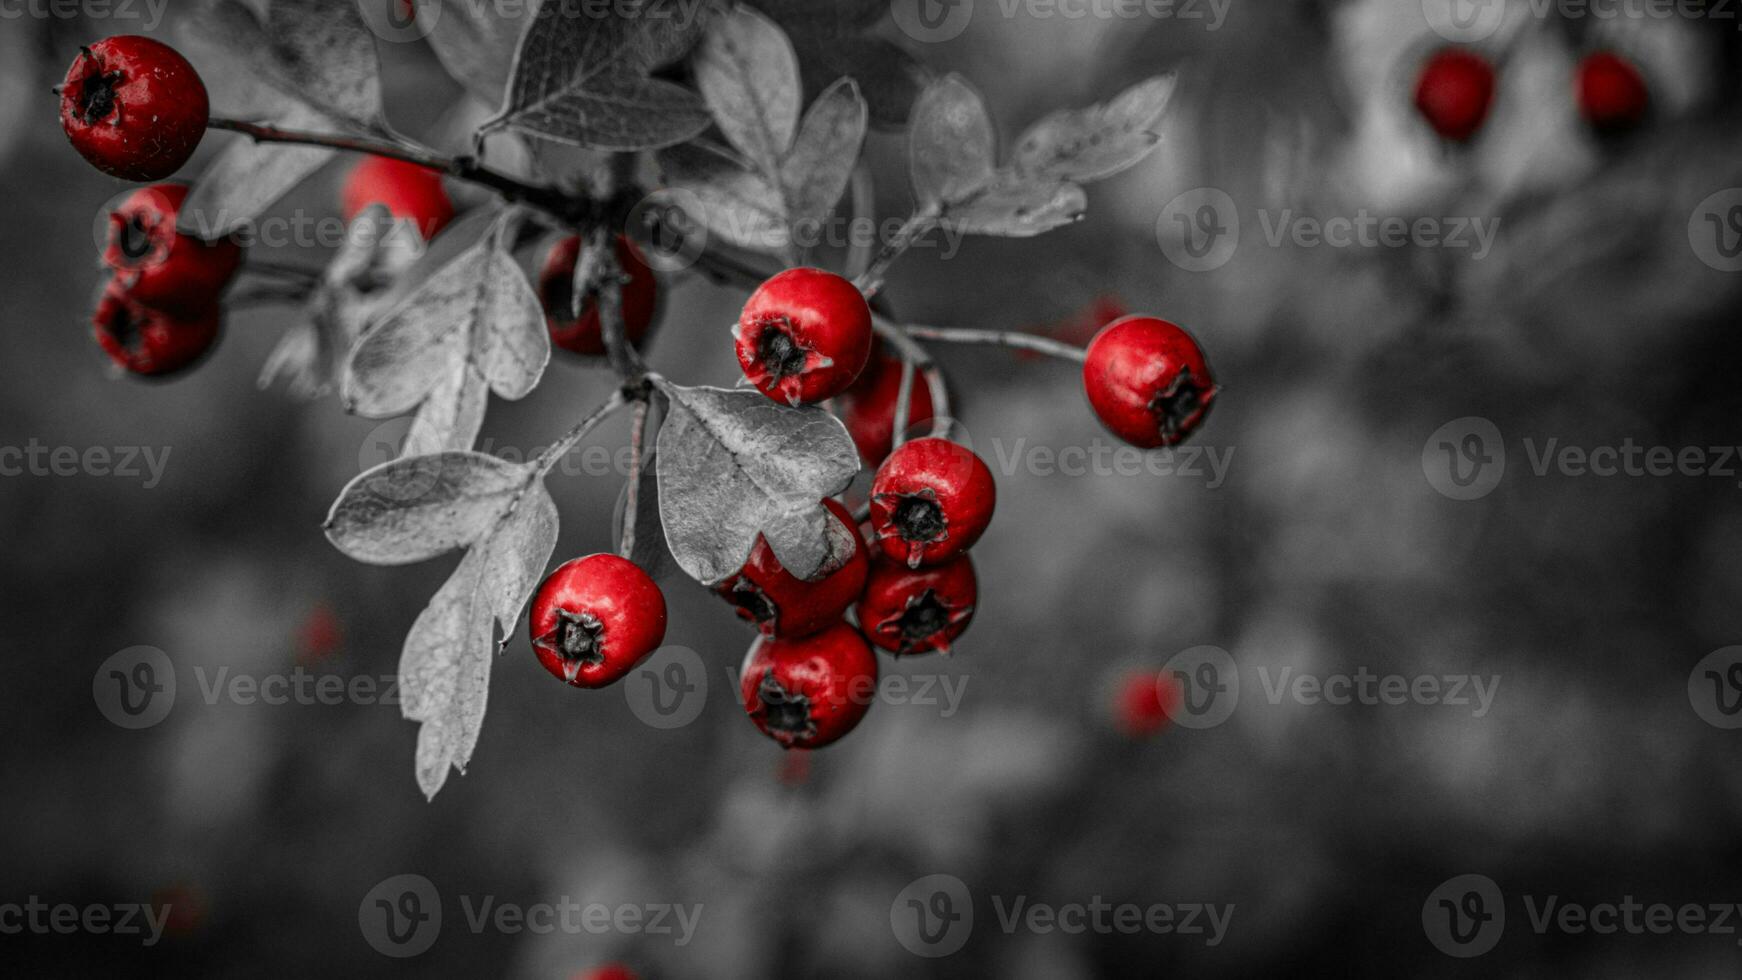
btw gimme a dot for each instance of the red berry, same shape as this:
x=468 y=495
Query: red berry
x=595 y=618
x=930 y=501
x=907 y=610
x=150 y=341
x=1148 y=382
x=158 y=265
x=1144 y=702
x=1454 y=91
x=804 y=336
x=134 y=108
x=808 y=692
x=556 y=290
x=1612 y=93
x=870 y=408
x=782 y=604
x=610 y=971
x=409 y=192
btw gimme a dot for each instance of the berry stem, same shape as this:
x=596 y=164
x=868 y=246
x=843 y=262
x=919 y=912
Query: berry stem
x=632 y=494
x=293 y=273
x=864 y=210
x=999 y=338
x=903 y=394
x=912 y=353
x=625 y=360
x=265 y=294
x=871 y=281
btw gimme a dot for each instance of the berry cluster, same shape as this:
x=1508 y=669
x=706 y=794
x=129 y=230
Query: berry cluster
x=1454 y=91
x=160 y=311
x=806 y=336
x=898 y=576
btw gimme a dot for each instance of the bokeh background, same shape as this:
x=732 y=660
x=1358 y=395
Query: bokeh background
x=1595 y=318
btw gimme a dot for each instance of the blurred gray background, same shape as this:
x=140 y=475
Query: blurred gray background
x=1595 y=318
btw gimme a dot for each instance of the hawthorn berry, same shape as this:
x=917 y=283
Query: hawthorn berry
x=160 y=266
x=582 y=334
x=610 y=971
x=782 y=604
x=133 y=107
x=870 y=406
x=804 y=336
x=1612 y=93
x=915 y=610
x=595 y=618
x=149 y=341
x=1143 y=703
x=410 y=192
x=1148 y=381
x=930 y=501
x=807 y=692
x=1454 y=92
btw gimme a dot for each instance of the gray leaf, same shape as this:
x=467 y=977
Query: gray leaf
x=748 y=73
x=249 y=177
x=1099 y=141
x=725 y=198
x=475 y=43
x=832 y=42
x=325 y=53
x=820 y=165
x=475 y=325
x=1017 y=207
x=417 y=507
x=581 y=78
x=620 y=114
x=444 y=667
x=953 y=146
x=733 y=465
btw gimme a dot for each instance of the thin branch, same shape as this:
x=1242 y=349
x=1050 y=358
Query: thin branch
x=911 y=352
x=871 y=281
x=560 y=205
x=903 y=408
x=999 y=338
x=864 y=210
x=294 y=273
x=632 y=494
x=625 y=360
x=548 y=459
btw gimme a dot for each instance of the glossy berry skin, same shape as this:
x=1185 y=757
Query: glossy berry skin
x=931 y=500
x=595 y=618
x=804 y=336
x=908 y=611
x=149 y=341
x=784 y=605
x=1143 y=703
x=1148 y=381
x=159 y=266
x=1454 y=92
x=806 y=693
x=408 y=191
x=134 y=108
x=582 y=334
x=870 y=407
x=1612 y=94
